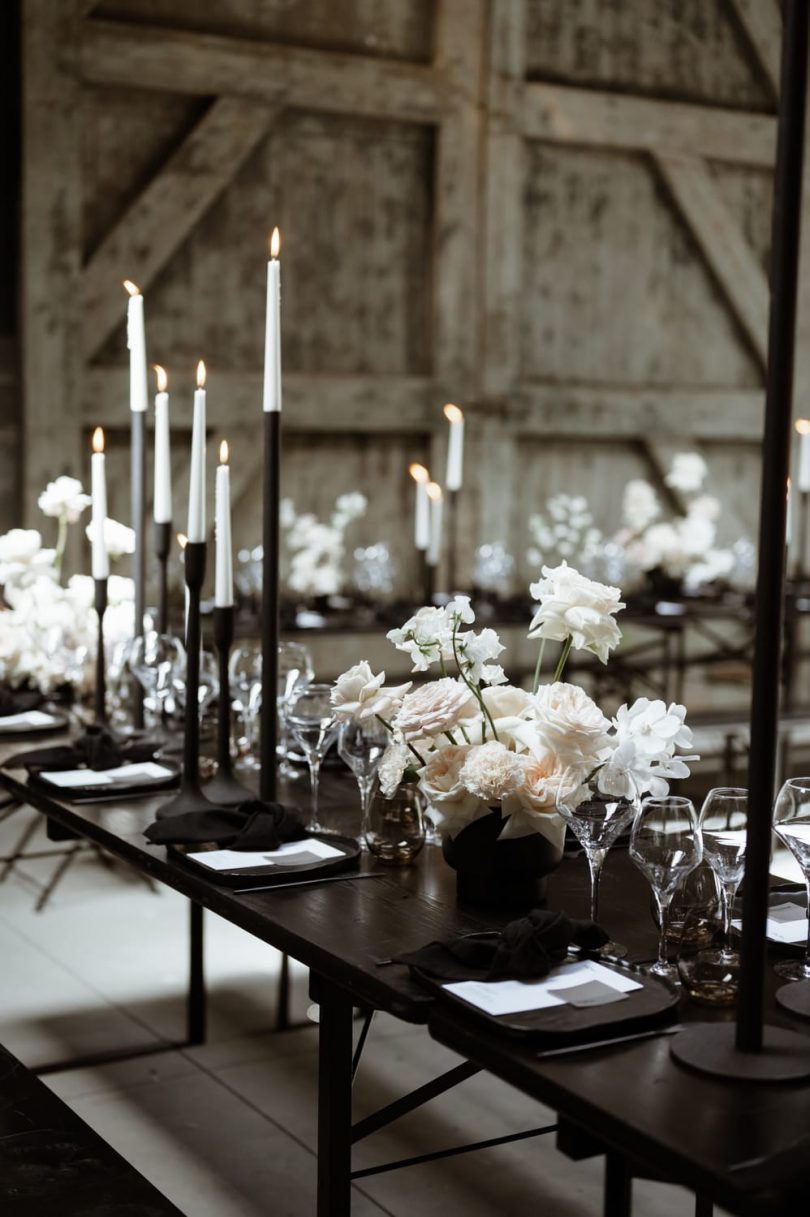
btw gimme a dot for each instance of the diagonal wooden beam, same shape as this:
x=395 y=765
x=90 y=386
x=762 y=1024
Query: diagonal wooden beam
x=121 y=54
x=733 y=262
x=593 y=118
x=161 y=218
x=761 y=21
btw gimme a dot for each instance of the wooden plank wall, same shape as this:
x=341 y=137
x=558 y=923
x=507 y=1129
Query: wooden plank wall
x=555 y=212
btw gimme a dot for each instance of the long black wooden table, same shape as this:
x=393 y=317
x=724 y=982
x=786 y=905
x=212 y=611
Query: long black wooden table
x=632 y=1100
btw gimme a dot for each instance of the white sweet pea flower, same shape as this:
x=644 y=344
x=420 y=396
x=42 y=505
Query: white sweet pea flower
x=64 y=499
x=654 y=727
x=572 y=606
x=476 y=652
x=358 y=694
x=426 y=637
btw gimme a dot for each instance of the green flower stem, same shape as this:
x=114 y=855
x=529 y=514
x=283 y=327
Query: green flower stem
x=536 y=681
x=464 y=733
x=61 y=541
x=390 y=728
x=566 y=651
x=451 y=738
x=476 y=692
x=442 y=664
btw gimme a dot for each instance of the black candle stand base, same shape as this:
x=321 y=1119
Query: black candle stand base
x=190 y=799
x=225 y=791
x=795 y=997
x=711 y=1048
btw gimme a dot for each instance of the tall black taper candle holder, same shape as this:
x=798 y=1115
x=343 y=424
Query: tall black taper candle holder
x=452 y=541
x=138 y=484
x=224 y=789
x=269 y=732
x=191 y=797
x=163 y=544
x=754 y=1052
x=101 y=668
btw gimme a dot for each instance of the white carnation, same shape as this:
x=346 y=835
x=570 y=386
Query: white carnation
x=491 y=772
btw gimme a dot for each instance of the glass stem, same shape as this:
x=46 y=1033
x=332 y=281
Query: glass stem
x=366 y=787
x=595 y=863
x=807 y=946
x=727 y=893
x=663 y=901
x=314 y=776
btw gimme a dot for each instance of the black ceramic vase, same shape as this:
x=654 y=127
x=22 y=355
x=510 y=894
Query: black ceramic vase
x=495 y=874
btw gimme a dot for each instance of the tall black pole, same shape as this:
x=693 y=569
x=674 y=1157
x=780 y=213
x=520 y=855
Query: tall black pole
x=163 y=544
x=272 y=469
x=138 y=485
x=786 y=226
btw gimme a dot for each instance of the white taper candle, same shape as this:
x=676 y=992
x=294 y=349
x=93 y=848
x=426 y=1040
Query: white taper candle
x=455 y=447
x=162 y=510
x=98 y=475
x=434 y=552
x=223 y=585
x=136 y=341
x=196 y=486
x=272 y=332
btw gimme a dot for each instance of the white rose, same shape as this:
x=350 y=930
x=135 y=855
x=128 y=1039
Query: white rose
x=434 y=708
x=358 y=694
x=453 y=807
x=574 y=607
x=491 y=772
x=533 y=806
x=64 y=499
x=568 y=722
x=118 y=538
x=687 y=472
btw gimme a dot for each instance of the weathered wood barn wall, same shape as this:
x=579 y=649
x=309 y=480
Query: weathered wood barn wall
x=554 y=212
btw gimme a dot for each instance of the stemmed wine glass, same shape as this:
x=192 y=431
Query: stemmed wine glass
x=310 y=715
x=294 y=671
x=665 y=844
x=791 y=823
x=596 y=820
x=723 y=826
x=245 y=676
x=361 y=745
x=156 y=661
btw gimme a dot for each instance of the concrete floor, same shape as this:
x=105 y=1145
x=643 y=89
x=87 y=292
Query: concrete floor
x=228 y=1129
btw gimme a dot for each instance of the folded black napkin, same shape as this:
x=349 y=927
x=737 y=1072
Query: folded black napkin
x=252 y=825
x=18 y=701
x=526 y=949
x=98 y=748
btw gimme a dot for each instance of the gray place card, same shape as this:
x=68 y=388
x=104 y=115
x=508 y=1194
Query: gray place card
x=591 y=993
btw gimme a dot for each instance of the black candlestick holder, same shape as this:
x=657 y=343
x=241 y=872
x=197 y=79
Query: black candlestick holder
x=138 y=483
x=270 y=513
x=224 y=789
x=163 y=544
x=452 y=541
x=191 y=797
x=101 y=668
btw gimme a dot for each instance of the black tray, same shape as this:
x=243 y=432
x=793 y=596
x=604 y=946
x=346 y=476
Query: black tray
x=562 y=1026
x=59 y=722
x=266 y=876
x=111 y=791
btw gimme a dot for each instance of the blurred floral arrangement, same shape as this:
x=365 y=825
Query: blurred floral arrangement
x=48 y=627
x=477 y=744
x=317 y=550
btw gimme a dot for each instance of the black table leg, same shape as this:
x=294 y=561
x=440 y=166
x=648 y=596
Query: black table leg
x=195 y=1011
x=618 y=1186
x=334 y=1099
x=703 y=1206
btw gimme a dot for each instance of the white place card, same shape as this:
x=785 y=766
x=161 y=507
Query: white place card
x=141 y=769
x=787 y=923
x=30 y=718
x=69 y=778
x=286 y=855
x=519 y=997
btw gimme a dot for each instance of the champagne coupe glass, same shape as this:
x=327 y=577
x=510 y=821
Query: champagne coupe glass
x=245 y=674
x=665 y=844
x=723 y=826
x=157 y=661
x=361 y=744
x=312 y=721
x=791 y=823
x=294 y=670
x=596 y=820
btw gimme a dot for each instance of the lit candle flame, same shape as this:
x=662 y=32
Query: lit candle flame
x=434 y=491
x=182 y=540
x=223 y=452
x=98 y=440
x=419 y=473
x=132 y=288
x=275 y=243
x=162 y=378
x=803 y=426
x=200 y=375
x=453 y=414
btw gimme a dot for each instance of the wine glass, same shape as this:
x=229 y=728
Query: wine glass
x=157 y=661
x=311 y=718
x=361 y=745
x=723 y=826
x=245 y=675
x=294 y=671
x=791 y=823
x=665 y=844
x=596 y=820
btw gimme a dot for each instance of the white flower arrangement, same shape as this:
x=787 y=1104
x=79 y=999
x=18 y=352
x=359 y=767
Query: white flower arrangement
x=318 y=549
x=566 y=533
x=473 y=741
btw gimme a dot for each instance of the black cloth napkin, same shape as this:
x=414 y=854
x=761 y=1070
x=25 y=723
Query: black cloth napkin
x=18 y=701
x=526 y=949
x=253 y=825
x=98 y=748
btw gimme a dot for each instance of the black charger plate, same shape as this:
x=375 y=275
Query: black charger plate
x=110 y=791
x=59 y=722
x=265 y=876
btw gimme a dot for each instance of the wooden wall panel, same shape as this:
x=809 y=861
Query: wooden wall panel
x=393 y=29
x=748 y=194
x=614 y=288
x=693 y=50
